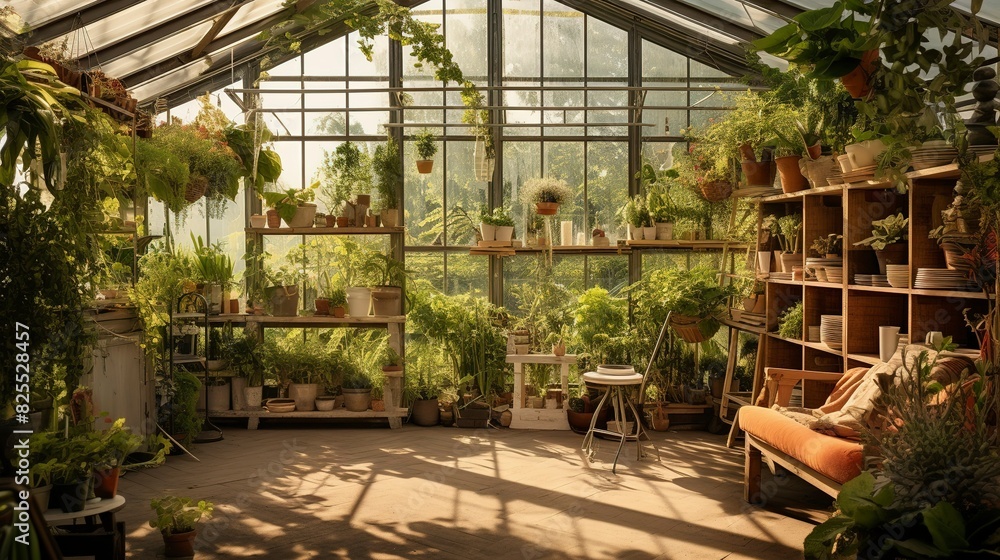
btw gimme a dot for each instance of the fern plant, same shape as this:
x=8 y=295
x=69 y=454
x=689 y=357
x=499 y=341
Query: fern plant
x=790 y=322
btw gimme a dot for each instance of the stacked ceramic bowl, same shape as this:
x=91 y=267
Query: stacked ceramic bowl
x=932 y=154
x=880 y=280
x=831 y=331
x=834 y=274
x=863 y=279
x=818 y=266
x=859 y=174
x=898 y=275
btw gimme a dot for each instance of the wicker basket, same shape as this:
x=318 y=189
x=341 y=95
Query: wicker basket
x=196 y=188
x=687 y=328
x=716 y=191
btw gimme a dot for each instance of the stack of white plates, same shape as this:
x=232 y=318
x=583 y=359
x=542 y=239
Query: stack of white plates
x=933 y=156
x=940 y=279
x=859 y=174
x=983 y=149
x=898 y=275
x=880 y=280
x=836 y=177
x=831 y=330
x=781 y=276
x=834 y=274
x=863 y=279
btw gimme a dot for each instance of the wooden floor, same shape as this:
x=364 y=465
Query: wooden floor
x=312 y=492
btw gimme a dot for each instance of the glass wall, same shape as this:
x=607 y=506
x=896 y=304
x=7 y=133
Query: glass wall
x=564 y=79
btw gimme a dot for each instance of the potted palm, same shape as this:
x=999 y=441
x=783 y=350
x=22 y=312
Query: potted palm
x=426 y=148
x=177 y=518
x=546 y=193
x=886 y=239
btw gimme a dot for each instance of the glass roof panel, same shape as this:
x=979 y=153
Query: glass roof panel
x=39 y=12
x=157 y=52
x=126 y=23
x=250 y=13
x=739 y=13
x=684 y=23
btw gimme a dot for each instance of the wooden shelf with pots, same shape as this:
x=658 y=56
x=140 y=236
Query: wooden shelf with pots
x=325 y=231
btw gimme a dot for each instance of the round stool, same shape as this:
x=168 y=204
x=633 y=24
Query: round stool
x=616 y=378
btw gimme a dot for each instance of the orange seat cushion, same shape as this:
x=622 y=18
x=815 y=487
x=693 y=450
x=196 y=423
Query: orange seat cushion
x=836 y=458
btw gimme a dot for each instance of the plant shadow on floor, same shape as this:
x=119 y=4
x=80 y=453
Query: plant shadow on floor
x=447 y=493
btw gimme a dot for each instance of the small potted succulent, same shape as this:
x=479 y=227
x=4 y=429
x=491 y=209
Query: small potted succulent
x=176 y=518
x=426 y=148
x=546 y=193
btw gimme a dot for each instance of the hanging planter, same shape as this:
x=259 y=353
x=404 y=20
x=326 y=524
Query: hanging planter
x=196 y=188
x=715 y=191
x=425 y=166
x=484 y=165
x=857 y=82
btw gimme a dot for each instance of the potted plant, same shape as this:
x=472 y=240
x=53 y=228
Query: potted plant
x=787 y=229
x=282 y=291
x=388 y=275
x=886 y=239
x=117 y=443
x=357 y=389
x=790 y=322
x=635 y=215
x=753 y=299
x=345 y=174
x=426 y=148
x=828 y=247
x=478 y=117
x=75 y=456
x=388 y=174
x=177 y=518
x=558 y=340
x=300 y=367
x=693 y=296
x=546 y=193
x=662 y=212
x=246 y=355
x=832 y=42
x=425 y=409
x=337 y=302
x=294 y=206
x=215 y=270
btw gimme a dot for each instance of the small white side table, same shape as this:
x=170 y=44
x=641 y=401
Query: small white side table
x=539 y=418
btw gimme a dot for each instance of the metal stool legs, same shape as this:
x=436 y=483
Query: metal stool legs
x=620 y=403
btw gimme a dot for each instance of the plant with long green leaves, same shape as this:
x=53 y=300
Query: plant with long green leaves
x=388 y=173
x=287 y=202
x=212 y=263
x=787 y=229
x=175 y=514
x=885 y=232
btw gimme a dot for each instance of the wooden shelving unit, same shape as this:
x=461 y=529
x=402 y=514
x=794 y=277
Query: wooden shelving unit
x=849 y=210
x=325 y=231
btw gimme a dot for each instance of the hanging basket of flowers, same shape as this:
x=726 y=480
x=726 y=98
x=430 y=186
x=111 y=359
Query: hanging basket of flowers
x=715 y=191
x=196 y=188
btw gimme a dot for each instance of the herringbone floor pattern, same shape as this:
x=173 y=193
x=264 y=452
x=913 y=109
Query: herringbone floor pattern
x=446 y=493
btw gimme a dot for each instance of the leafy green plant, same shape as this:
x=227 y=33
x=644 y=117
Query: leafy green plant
x=162 y=174
x=597 y=314
x=636 y=213
x=545 y=189
x=356 y=380
x=828 y=41
x=832 y=244
x=345 y=173
x=885 y=232
x=790 y=322
x=287 y=202
x=117 y=442
x=246 y=356
x=694 y=293
x=786 y=229
x=499 y=217
x=212 y=263
x=425 y=145
x=174 y=514
x=388 y=174
x=260 y=165
x=183 y=406
x=337 y=297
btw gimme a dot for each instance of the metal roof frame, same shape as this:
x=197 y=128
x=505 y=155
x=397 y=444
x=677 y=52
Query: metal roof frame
x=679 y=25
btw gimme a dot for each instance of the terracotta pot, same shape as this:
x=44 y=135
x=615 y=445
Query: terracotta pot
x=273 y=219
x=106 y=483
x=425 y=166
x=357 y=400
x=758 y=174
x=546 y=208
x=579 y=422
x=304 y=395
x=660 y=420
x=378 y=405
x=342 y=221
x=339 y=311
x=746 y=151
x=857 y=81
x=792 y=179
x=559 y=349
x=322 y=306
x=331 y=221
x=815 y=151
x=179 y=545
x=426 y=412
